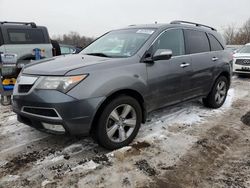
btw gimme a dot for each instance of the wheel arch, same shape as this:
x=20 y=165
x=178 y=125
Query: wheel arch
x=128 y=92
x=225 y=74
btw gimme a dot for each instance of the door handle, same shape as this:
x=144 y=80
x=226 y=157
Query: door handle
x=183 y=65
x=215 y=58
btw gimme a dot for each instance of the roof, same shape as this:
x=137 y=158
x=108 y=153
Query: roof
x=174 y=24
x=5 y=23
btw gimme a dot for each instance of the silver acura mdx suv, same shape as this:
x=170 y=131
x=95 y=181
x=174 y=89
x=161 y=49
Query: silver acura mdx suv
x=108 y=89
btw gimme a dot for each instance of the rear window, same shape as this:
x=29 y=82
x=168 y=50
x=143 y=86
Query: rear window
x=196 y=42
x=215 y=44
x=26 y=36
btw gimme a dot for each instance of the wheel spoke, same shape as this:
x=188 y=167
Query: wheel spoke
x=217 y=96
x=126 y=110
x=221 y=99
x=114 y=115
x=112 y=130
x=122 y=134
x=130 y=122
x=223 y=92
x=218 y=87
x=222 y=85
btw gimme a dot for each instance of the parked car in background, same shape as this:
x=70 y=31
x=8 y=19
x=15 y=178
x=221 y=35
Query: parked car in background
x=241 y=62
x=234 y=48
x=22 y=38
x=108 y=89
x=20 y=43
x=67 y=49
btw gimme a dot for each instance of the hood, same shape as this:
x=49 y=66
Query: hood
x=62 y=64
x=238 y=55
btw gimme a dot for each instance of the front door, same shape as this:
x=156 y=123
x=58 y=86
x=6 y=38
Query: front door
x=167 y=78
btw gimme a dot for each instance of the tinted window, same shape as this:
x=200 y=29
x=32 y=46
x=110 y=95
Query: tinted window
x=1 y=38
x=196 y=42
x=26 y=36
x=172 y=39
x=215 y=45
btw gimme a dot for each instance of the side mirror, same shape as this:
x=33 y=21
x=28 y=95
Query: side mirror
x=162 y=54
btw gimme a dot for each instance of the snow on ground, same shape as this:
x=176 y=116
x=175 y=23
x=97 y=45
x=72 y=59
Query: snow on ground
x=31 y=158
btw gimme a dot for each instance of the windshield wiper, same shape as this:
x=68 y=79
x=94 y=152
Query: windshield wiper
x=98 y=54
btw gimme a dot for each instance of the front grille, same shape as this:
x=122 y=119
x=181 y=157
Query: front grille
x=245 y=62
x=24 y=88
x=48 y=112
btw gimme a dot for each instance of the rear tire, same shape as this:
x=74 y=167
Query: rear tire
x=119 y=123
x=218 y=94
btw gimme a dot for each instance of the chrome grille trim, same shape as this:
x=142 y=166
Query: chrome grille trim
x=42 y=116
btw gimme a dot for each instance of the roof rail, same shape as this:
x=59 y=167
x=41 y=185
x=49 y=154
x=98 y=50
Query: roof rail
x=192 y=23
x=32 y=24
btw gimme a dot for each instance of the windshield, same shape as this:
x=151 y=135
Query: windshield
x=245 y=49
x=121 y=43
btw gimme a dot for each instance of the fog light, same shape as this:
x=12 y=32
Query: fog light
x=52 y=127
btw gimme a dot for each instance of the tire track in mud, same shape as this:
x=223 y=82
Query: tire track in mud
x=214 y=152
x=48 y=158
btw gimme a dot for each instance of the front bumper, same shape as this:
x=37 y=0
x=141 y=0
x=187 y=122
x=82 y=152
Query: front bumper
x=52 y=107
x=241 y=69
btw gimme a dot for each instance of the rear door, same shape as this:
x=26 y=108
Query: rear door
x=216 y=49
x=198 y=47
x=166 y=78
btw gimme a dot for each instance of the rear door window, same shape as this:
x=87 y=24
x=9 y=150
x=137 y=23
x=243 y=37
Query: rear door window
x=196 y=42
x=215 y=44
x=26 y=36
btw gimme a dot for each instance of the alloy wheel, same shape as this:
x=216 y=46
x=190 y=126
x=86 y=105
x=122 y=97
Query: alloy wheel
x=121 y=123
x=221 y=92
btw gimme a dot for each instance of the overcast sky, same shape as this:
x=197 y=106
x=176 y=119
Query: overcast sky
x=94 y=17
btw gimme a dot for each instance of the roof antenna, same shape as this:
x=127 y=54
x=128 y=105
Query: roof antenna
x=155 y=22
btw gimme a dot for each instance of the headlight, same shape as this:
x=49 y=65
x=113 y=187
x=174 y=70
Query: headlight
x=63 y=83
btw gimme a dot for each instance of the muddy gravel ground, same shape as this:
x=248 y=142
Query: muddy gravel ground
x=183 y=146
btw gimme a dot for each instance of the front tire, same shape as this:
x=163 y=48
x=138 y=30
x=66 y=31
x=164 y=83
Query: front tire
x=218 y=94
x=119 y=123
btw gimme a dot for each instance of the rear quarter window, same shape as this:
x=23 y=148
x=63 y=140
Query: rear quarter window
x=196 y=42
x=26 y=36
x=215 y=44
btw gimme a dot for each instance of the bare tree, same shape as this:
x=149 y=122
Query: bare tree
x=239 y=36
x=245 y=32
x=74 y=38
x=229 y=34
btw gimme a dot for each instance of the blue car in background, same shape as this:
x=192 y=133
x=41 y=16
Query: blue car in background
x=69 y=49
